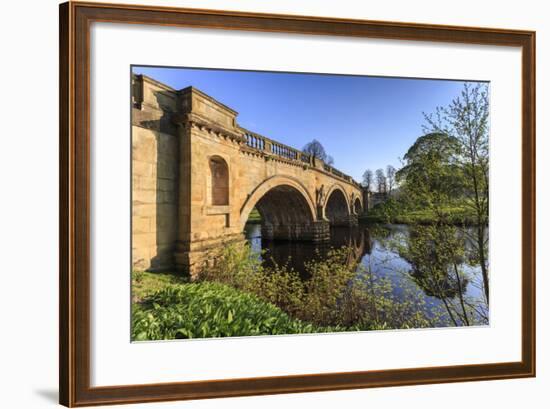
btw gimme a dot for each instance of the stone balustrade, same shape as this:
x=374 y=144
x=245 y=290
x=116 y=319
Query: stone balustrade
x=262 y=143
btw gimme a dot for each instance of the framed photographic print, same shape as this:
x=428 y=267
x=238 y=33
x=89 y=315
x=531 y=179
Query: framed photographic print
x=259 y=204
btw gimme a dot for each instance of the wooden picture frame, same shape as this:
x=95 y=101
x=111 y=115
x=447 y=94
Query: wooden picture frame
x=74 y=195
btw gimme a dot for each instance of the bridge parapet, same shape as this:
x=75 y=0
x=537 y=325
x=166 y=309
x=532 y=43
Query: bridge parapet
x=332 y=170
x=274 y=148
x=271 y=147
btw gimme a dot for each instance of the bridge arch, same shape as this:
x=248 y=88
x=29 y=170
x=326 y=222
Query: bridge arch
x=275 y=197
x=337 y=205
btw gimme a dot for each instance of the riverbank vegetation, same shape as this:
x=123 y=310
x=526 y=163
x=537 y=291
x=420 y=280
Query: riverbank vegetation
x=331 y=296
x=241 y=297
x=397 y=212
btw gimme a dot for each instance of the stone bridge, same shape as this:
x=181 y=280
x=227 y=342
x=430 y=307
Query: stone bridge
x=197 y=175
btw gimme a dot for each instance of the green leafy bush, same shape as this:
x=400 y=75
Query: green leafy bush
x=201 y=310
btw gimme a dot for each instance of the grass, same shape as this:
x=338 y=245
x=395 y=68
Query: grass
x=145 y=283
x=454 y=215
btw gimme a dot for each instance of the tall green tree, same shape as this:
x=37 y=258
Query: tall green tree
x=432 y=179
x=466 y=119
x=429 y=175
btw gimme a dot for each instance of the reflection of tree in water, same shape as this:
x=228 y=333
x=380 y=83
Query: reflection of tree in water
x=436 y=254
x=433 y=267
x=439 y=282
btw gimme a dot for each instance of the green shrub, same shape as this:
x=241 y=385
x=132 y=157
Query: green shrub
x=326 y=295
x=202 y=310
x=241 y=268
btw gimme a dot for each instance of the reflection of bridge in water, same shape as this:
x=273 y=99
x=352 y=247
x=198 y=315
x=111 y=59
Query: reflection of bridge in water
x=297 y=255
x=197 y=175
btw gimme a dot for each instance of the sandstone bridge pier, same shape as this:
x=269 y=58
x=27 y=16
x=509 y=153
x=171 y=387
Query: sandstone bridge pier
x=197 y=175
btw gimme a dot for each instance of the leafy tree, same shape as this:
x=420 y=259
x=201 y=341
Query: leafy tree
x=316 y=149
x=368 y=180
x=466 y=120
x=429 y=175
x=381 y=181
x=433 y=179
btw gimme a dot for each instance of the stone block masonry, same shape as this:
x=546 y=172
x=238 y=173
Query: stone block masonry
x=197 y=175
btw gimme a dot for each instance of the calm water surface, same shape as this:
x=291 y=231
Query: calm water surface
x=373 y=249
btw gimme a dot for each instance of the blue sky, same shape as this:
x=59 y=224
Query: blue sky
x=363 y=122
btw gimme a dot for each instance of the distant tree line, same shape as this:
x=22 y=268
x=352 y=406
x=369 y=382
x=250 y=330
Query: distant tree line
x=380 y=181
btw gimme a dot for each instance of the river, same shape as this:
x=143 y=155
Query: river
x=376 y=249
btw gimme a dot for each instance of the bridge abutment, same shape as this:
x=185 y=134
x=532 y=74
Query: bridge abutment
x=192 y=257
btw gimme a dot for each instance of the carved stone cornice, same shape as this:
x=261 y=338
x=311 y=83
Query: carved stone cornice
x=192 y=120
x=252 y=151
